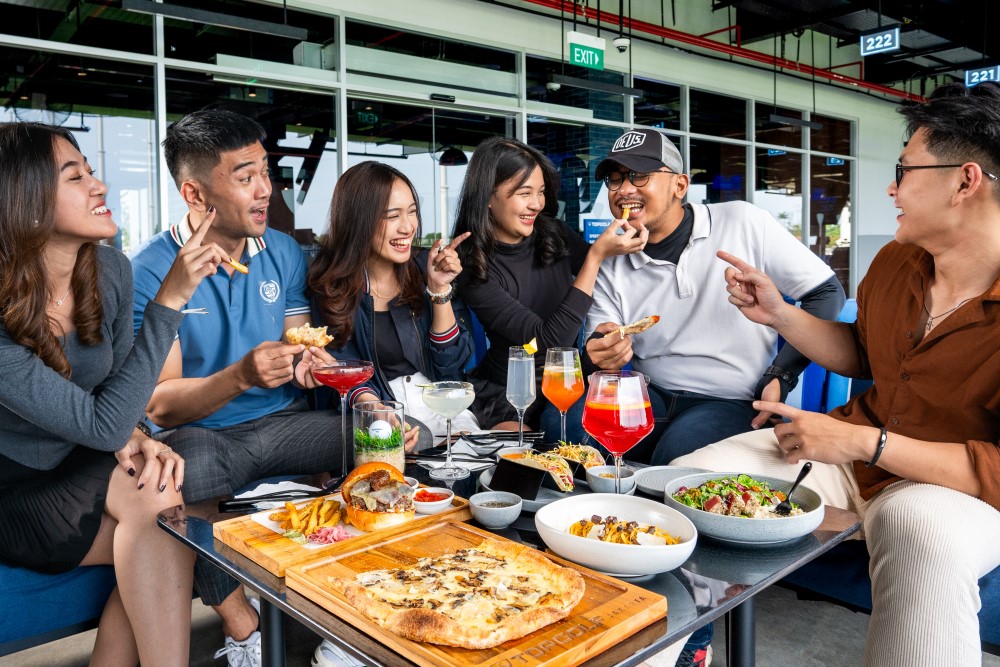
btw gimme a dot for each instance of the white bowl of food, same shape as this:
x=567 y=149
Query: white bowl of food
x=722 y=522
x=653 y=553
x=601 y=479
x=412 y=481
x=432 y=499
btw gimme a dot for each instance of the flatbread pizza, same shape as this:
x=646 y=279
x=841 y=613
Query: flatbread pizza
x=638 y=326
x=474 y=598
x=308 y=336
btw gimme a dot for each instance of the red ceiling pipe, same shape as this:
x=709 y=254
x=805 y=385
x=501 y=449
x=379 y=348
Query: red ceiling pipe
x=738 y=52
x=728 y=28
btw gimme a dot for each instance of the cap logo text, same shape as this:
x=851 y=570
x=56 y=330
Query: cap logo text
x=628 y=141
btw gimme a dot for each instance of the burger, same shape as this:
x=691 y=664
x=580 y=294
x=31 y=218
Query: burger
x=376 y=496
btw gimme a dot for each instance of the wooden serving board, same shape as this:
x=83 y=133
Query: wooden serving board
x=275 y=552
x=609 y=611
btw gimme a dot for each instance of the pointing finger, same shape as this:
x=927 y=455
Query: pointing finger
x=457 y=241
x=734 y=260
x=206 y=224
x=778 y=409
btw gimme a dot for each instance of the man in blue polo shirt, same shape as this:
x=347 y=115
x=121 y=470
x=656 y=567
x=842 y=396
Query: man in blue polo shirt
x=228 y=395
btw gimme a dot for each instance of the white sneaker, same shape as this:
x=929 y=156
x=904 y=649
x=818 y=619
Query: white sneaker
x=244 y=653
x=329 y=655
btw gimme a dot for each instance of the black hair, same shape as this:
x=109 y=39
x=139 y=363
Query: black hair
x=962 y=124
x=195 y=143
x=494 y=162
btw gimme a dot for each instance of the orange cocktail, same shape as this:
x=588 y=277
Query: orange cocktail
x=562 y=386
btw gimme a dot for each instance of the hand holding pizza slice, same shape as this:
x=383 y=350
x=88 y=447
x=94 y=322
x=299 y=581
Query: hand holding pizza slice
x=638 y=326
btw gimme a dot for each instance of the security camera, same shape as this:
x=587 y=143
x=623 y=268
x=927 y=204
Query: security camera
x=552 y=86
x=621 y=43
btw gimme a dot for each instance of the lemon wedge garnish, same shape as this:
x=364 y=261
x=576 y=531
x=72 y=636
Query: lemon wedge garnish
x=531 y=346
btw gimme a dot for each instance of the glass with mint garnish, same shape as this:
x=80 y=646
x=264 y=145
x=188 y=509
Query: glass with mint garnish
x=378 y=434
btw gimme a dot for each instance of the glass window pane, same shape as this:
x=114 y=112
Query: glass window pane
x=830 y=228
x=718 y=115
x=660 y=106
x=395 y=40
x=576 y=100
x=108 y=105
x=301 y=142
x=717 y=171
x=771 y=132
x=835 y=137
x=413 y=139
x=779 y=187
x=98 y=24
x=221 y=45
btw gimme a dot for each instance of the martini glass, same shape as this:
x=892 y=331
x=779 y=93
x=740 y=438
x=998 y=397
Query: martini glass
x=562 y=381
x=520 y=385
x=617 y=413
x=343 y=375
x=448 y=398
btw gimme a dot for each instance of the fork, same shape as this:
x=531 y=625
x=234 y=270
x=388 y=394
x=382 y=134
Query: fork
x=784 y=508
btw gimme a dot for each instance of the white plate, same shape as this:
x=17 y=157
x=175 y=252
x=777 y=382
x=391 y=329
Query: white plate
x=653 y=480
x=545 y=494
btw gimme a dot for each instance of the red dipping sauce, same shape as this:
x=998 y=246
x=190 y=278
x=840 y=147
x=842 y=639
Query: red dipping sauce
x=425 y=496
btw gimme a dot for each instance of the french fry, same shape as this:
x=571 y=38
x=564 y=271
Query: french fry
x=332 y=521
x=293 y=515
x=312 y=519
x=279 y=516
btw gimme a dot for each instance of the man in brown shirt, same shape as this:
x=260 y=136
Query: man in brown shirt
x=917 y=454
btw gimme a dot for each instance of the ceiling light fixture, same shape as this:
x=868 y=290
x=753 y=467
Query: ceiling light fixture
x=453 y=157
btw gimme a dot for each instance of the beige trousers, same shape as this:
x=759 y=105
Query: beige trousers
x=929 y=546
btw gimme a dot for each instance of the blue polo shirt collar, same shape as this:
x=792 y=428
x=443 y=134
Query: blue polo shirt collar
x=182 y=231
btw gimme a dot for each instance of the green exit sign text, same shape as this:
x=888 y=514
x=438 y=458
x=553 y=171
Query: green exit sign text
x=585 y=50
x=366 y=117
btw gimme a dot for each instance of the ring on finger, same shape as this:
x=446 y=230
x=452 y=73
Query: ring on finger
x=165 y=450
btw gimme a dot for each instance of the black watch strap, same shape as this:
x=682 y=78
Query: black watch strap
x=142 y=426
x=783 y=375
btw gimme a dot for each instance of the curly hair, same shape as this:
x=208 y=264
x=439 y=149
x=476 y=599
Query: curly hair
x=496 y=161
x=337 y=276
x=962 y=124
x=28 y=186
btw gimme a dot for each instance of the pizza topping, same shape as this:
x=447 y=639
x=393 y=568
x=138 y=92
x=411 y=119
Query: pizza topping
x=308 y=336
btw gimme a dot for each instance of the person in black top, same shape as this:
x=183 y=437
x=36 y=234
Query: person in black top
x=386 y=304
x=528 y=276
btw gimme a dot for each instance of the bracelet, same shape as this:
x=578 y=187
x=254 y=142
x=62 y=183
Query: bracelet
x=142 y=426
x=878 y=450
x=441 y=297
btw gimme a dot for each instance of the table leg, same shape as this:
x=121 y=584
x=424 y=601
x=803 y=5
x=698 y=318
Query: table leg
x=272 y=635
x=740 y=635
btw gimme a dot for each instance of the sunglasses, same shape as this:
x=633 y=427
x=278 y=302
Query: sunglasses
x=615 y=179
x=901 y=170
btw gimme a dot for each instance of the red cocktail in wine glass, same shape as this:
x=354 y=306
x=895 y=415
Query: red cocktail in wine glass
x=617 y=413
x=343 y=375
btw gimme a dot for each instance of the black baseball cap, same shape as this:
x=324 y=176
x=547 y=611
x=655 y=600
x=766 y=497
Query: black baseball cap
x=642 y=150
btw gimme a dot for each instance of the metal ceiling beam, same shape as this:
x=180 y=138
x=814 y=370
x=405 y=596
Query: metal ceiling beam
x=759 y=26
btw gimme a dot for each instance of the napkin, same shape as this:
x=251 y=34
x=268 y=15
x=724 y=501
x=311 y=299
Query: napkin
x=266 y=487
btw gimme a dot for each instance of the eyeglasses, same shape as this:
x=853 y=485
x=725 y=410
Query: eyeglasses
x=615 y=179
x=902 y=169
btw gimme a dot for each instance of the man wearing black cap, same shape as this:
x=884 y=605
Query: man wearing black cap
x=706 y=364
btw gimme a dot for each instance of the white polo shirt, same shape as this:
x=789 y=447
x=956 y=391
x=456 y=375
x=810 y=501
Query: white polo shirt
x=703 y=343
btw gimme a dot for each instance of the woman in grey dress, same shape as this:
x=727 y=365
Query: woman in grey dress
x=80 y=483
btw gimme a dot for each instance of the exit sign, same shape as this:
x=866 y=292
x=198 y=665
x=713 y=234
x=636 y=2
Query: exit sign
x=366 y=117
x=585 y=50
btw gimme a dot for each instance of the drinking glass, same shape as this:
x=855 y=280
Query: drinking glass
x=562 y=381
x=617 y=413
x=448 y=398
x=343 y=375
x=520 y=385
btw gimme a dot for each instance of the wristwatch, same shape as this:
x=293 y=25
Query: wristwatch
x=142 y=426
x=441 y=297
x=783 y=375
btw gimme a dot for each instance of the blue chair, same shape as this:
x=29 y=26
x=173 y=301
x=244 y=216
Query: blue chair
x=841 y=575
x=39 y=608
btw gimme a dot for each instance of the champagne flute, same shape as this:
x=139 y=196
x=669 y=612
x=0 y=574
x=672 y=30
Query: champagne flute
x=448 y=398
x=617 y=413
x=562 y=381
x=343 y=375
x=520 y=385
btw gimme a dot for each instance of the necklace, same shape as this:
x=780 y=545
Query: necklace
x=59 y=302
x=374 y=290
x=931 y=318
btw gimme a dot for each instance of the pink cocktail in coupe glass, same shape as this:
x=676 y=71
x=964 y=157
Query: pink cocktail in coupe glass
x=617 y=413
x=343 y=375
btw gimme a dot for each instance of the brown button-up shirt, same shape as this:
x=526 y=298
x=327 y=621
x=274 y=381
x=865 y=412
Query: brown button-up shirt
x=946 y=388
